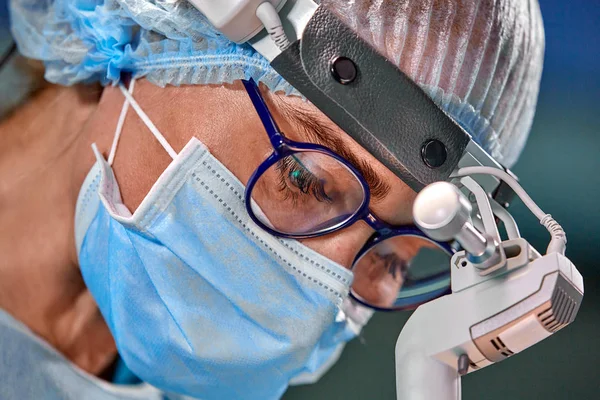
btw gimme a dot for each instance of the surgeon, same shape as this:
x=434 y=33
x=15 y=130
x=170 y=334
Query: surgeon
x=156 y=218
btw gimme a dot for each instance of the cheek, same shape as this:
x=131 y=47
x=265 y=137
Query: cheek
x=396 y=208
x=343 y=246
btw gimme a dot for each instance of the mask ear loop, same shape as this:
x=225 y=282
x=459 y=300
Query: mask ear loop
x=119 y=129
x=136 y=107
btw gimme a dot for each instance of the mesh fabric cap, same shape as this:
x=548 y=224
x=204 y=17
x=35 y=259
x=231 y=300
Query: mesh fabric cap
x=480 y=60
x=168 y=42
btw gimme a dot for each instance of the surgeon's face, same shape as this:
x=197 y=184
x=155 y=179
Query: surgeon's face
x=223 y=118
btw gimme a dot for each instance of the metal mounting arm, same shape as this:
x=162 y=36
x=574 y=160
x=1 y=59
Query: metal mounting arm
x=491 y=315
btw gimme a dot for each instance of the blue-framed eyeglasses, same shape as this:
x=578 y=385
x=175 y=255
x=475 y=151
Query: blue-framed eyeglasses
x=305 y=190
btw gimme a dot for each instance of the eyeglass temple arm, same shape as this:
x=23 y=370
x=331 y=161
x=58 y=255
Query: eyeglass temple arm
x=263 y=112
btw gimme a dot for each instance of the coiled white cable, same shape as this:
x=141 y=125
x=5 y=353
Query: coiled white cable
x=268 y=15
x=558 y=242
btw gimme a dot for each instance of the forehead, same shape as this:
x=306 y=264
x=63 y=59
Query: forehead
x=394 y=205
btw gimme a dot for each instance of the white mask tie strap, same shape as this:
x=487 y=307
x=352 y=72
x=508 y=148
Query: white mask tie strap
x=119 y=129
x=134 y=104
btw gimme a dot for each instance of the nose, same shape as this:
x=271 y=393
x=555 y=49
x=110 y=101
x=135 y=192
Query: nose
x=341 y=246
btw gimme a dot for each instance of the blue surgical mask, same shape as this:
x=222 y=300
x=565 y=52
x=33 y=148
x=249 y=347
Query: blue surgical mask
x=199 y=299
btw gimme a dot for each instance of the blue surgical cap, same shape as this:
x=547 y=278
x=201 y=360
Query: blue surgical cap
x=479 y=60
x=168 y=42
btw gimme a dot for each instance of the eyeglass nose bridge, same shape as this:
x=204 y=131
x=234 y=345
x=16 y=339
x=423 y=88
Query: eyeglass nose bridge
x=382 y=230
x=378 y=225
x=279 y=142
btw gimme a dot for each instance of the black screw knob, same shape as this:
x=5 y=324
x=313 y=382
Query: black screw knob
x=434 y=153
x=463 y=364
x=343 y=70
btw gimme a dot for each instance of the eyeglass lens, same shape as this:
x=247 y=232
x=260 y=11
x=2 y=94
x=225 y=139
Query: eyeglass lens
x=310 y=192
x=399 y=268
x=305 y=193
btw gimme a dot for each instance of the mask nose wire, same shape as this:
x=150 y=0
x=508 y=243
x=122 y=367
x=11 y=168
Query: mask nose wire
x=129 y=100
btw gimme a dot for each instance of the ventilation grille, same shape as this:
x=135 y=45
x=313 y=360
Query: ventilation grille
x=561 y=312
x=501 y=347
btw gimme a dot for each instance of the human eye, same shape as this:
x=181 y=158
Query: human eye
x=395 y=265
x=296 y=180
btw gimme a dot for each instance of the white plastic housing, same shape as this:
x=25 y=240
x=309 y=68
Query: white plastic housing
x=511 y=306
x=441 y=210
x=236 y=19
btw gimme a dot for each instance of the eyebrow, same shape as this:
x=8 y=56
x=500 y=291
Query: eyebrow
x=325 y=136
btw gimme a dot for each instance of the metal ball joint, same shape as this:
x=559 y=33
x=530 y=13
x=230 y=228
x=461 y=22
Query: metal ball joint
x=343 y=70
x=444 y=213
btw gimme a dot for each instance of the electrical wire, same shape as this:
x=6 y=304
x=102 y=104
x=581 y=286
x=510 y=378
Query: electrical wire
x=558 y=242
x=269 y=16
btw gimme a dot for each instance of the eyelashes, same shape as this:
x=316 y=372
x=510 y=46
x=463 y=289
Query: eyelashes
x=394 y=265
x=292 y=174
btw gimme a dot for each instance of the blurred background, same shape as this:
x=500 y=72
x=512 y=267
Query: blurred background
x=560 y=168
